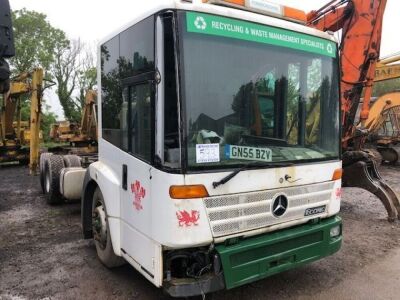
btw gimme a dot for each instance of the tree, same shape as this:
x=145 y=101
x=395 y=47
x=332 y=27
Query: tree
x=74 y=72
x=65 y=70
x=35 y=41
x=87 y=77
x=69 y=63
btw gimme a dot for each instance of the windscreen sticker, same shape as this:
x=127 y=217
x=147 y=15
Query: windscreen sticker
x=248 y=153
x=207 y=153
x=226 y=27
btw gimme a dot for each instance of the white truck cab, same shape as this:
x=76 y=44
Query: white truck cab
x=219 y=145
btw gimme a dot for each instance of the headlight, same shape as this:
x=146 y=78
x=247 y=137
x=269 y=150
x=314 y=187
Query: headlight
x=335 y=231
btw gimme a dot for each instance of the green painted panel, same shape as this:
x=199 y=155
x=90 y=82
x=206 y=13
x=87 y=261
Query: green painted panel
x=258 y=257
x=232 y=28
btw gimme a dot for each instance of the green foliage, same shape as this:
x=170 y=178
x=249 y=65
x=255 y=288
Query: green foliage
x=48 y=118
x=65 y=74
x=87 y=79
x=74 y=72
x=35 y=41
x=35 y=44
x=39 y=44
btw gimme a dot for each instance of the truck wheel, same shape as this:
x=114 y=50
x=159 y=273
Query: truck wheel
x=52 y=169
x=43 y=158
x=71 y=161
x=101 y=233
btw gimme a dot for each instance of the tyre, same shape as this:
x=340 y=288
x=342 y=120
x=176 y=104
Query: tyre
x=43 y=158
x=52 y=169
x=71 y=161
x=101 y=233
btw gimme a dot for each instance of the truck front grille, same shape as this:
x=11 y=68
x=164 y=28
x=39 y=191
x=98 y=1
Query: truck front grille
x=236 y=213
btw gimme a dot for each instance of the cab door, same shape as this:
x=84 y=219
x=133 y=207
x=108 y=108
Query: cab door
x=136 y=204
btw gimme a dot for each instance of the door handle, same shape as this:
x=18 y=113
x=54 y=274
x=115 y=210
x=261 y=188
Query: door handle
x=125 y=177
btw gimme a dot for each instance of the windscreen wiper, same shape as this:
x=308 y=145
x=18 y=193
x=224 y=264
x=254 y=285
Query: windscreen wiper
x=248 y=166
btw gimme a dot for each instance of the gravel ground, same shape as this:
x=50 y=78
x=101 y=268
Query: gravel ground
x=43 y=255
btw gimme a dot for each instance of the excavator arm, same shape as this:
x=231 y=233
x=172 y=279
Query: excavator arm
x=361 y=24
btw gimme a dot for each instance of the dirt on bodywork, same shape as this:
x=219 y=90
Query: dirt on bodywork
x=43 y=255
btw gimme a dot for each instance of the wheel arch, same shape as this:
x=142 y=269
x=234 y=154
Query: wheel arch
x=99 y=175
x=89 y=186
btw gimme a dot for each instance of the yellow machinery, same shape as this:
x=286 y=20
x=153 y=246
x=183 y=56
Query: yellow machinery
x=383 y=122
x=63 y=131
x=14 y=136
x=83 y=137
x=387 y=68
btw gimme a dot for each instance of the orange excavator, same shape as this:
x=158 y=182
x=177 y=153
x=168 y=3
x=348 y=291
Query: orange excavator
x=361 y=24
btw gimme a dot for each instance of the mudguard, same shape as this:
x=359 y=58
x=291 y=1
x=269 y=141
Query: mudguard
x=99 y=175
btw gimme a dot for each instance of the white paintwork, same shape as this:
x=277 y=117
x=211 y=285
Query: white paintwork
x=71 y=182
x=144 y=233
x=158 y=221
x=110 y=186
x=143 y=253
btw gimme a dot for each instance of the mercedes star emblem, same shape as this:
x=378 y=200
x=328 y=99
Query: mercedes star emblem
x=279 y=206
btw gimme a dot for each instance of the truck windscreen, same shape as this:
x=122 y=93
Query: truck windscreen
x=256 y=93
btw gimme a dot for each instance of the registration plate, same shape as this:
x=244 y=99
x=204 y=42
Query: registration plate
x=314 y=210
x=248 y=153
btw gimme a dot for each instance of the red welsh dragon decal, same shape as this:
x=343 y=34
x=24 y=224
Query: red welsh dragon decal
x=188 y=219
x=139 y=192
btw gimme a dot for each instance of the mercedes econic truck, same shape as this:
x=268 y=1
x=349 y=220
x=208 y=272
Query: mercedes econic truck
x=219 y=146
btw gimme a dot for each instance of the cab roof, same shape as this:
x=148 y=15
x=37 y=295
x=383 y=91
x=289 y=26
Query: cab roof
x=153 y=7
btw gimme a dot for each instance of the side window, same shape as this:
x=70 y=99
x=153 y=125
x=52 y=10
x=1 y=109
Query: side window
x=111 y=92
x=141 y=124
x=137 y=49
x=129 y=54
x=124 y=119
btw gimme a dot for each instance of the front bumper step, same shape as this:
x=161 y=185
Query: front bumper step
x=258 y=257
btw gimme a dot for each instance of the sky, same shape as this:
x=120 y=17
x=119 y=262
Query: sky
x=92 y=20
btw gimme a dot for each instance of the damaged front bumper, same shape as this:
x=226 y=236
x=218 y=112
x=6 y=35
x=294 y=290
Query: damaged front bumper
x=254 y=258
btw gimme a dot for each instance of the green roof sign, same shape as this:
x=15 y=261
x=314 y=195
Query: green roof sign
x=242 y=30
